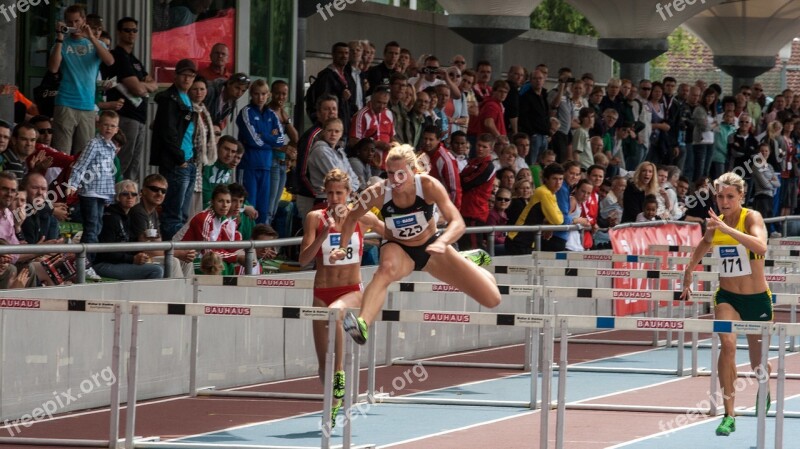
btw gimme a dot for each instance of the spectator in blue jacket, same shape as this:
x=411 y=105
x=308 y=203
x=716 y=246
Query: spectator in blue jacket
x=259 y=132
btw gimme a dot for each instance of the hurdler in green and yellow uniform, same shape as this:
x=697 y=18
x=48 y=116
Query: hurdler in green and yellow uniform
x=738 y=238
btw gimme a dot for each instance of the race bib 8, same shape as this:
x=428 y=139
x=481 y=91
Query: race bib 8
x=735 y=261
x=352 y=253
x=408 y=226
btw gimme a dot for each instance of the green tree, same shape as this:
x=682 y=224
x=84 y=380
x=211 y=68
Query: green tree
x=682 y=44
x=557 y=15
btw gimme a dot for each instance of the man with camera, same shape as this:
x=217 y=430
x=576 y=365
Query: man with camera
x=431 y=74
x=78 y=57
x=559 y=99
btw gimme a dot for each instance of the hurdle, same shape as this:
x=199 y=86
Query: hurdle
x=652 y=295
x=707 y=326
x=543 y=323
x=76 y=305
x=527 y=291
x=626 y=294
x=139 y=308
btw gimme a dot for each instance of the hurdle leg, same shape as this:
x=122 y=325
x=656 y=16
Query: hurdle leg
x=762 y=376
x=351 y=372
x=327 y=401
x=547 y=375
x=130 y=415
x=780 y=389
x=389 y=330
x=113 y=434
x=562 y=387
x=713 y=388
x=371 y=368
x=793 y=319
x=534 y=368
x=193 y=343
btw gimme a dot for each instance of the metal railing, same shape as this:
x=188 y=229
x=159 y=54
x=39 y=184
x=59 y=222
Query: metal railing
x=250 y=246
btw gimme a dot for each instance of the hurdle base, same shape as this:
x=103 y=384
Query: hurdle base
x=793 y=376
x=738 y=346
x=401 y=361
x=638 y=408
x=441 y=401
x=177 y=445
x=572 y=340
x=54 y=442
x=607 y=369
x=260 y=394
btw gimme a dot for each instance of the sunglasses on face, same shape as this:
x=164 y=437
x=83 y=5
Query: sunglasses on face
x=129 y=194
x=155 y=189
x=502 y=199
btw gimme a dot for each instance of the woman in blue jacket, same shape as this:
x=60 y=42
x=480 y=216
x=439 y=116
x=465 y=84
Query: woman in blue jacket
x=259 y=132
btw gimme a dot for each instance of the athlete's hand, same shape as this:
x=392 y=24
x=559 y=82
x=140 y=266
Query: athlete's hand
x=714 y=223
x=436 y=247
x=687 y=286
x=336 y=255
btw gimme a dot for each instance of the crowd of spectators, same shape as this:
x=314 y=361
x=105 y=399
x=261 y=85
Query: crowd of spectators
x=528 y=149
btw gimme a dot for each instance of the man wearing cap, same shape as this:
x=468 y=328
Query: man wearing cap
x=172 y=148
x=222 y=97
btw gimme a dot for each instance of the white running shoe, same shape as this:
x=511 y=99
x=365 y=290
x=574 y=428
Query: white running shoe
x=92 y=275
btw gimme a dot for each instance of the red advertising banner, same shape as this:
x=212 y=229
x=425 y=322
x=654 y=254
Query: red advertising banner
x=192 y=42
x=636 y=240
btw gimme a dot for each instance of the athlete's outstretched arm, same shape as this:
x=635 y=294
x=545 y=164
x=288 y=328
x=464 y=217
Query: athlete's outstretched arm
x=434 y=190
x=699 y=252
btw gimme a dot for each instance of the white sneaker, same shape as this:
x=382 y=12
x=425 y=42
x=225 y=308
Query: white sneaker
x=775 y=235
x=92 y=275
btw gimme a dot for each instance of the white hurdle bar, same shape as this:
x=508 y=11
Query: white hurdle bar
x=648 y=295
x=540 y=322
x=240 y=311
x=76 y=305
x=654 y=262
x=527 y=291
x=765 y=329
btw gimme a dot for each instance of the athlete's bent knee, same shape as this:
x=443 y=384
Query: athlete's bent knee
x=493 y=300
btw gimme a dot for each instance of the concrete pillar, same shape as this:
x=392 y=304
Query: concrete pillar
x=744 y=69
x=632 y=54
x=488 y=34
x=8 y=66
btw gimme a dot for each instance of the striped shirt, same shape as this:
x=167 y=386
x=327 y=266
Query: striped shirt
x=93 y=172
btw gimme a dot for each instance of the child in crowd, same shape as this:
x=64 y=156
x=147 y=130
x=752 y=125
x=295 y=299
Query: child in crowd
x=459 y=146
x=498 y=217
x=581 y=145
x=221 y=172
x=214 y=225
x=93 y=178
x=261 y=232
x=650 y=209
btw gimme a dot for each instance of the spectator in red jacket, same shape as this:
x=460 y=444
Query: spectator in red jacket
x=491 y=117
x=477 y=181
x=443 y=165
